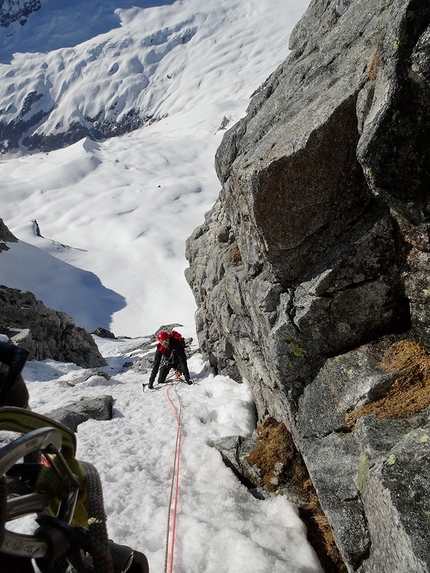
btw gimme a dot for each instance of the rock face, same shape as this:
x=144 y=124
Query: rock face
x=6 y=237
x=314 y=263
x=45 y=332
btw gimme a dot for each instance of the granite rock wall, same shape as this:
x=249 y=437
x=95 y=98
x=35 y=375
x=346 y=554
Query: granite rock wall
x=313 y=264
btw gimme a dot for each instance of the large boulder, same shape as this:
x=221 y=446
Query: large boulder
x=381 y=392
x=71 y=415
x=44 y=332
x=313 y=264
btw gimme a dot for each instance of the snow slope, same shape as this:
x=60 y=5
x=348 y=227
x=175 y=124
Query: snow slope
x=220 y=526
x=126 y=206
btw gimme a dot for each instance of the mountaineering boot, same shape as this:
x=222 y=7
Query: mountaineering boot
x=139 y=564
x=151 y=385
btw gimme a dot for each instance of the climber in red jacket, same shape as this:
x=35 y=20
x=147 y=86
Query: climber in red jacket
x=170 y=353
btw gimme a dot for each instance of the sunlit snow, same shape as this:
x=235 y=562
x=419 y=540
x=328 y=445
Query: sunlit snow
x=126 y=206
x=221 y=527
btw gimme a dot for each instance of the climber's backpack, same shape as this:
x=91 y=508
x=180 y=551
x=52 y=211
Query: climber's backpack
x=178 y=336
x=40 y=476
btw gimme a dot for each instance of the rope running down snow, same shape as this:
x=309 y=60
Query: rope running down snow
x=174 y=490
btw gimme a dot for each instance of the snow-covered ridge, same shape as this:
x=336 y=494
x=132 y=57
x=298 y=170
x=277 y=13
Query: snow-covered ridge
x=126 y=205
x=159 y=62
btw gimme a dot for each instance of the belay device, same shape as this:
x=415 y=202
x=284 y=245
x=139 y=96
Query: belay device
x=40 y=476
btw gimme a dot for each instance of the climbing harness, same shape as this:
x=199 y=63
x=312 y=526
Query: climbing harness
x=66 y=495
x=174 y=489
x=168 y=360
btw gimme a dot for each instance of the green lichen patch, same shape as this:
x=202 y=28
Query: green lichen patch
x=296 y=350
x=363 y=471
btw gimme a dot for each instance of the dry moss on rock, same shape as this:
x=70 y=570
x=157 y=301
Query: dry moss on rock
x=273 y=453
x=236 y=256
x=410 y=392
x=279 y=463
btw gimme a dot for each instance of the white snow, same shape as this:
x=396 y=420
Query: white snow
x=221 y=527
x=114 y=217
x=127 y=205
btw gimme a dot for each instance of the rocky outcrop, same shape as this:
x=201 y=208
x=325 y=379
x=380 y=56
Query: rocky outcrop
x=44 y=332
x=17 y=11
x=92 y=127
x=313 y=265
x=71 y=415
x=6 y=236
x=19 y=131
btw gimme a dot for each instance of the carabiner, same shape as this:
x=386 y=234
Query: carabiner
x=41 y=439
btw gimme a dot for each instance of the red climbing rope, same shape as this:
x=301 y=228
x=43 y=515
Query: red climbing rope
x=174 y=490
